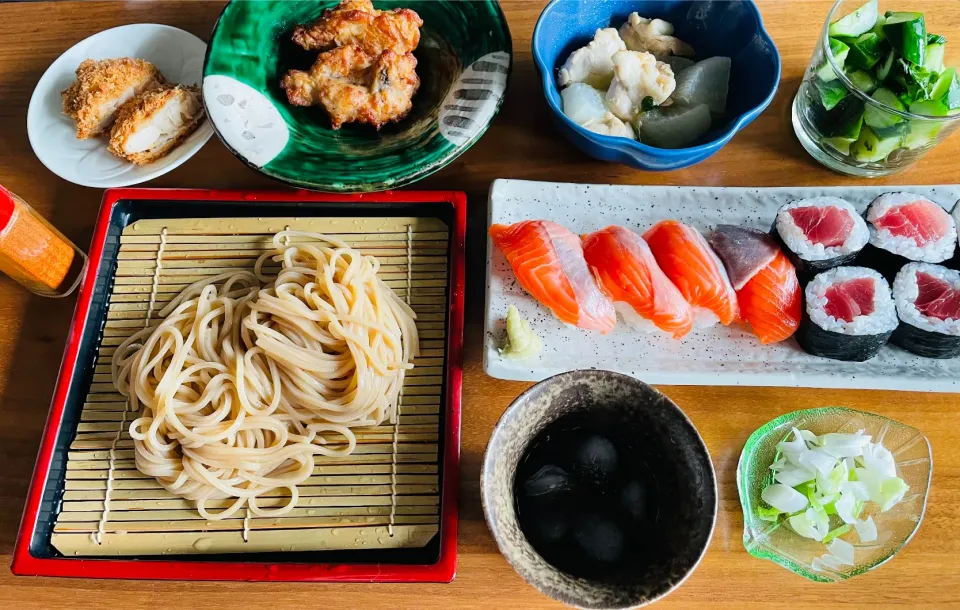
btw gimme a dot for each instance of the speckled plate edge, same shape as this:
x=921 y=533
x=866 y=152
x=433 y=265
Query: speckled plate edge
x=720 y=356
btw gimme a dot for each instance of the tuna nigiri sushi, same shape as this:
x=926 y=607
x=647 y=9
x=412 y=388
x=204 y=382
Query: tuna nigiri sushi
x=686 y=258
x=548 y=262
x=768 y=291
x=627 y=271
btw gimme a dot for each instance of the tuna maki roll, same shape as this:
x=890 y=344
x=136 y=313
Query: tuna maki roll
x=819 y=234
x=905 y=228
x=928 y=305
x=848 y=314
x=954 y=263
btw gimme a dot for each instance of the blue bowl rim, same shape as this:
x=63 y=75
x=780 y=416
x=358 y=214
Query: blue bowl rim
x=547 y=81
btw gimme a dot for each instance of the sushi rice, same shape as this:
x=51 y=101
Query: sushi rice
x=883 y=320
x=933 y=252
x=906 y=291
x=796 y=240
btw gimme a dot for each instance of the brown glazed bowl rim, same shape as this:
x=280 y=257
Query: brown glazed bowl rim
x=532 y=577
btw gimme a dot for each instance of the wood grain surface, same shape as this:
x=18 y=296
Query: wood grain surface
x=521 y=144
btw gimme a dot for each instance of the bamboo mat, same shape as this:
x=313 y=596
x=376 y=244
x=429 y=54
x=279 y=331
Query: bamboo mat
x=386 y=494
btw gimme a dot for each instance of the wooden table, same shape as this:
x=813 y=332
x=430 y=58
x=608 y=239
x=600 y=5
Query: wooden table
x=521 y=144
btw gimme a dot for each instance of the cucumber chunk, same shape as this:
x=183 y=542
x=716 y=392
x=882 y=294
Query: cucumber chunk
x=865 y=51
x=841 y=145
x=922 y=133
x=863 y=81
x=934 y=59
x=839 y=51
x=907 y=34
x=858 y=22
x=844 y=121
x=878 y=118
x=878 y=29
x=832 y=93
x=884 y=68
x=869 y=148
x=944 y=82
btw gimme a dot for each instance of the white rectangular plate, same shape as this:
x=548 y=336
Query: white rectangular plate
x=715 y=356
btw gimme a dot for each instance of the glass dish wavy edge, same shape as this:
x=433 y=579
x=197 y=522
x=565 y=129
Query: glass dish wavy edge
x=914 y=456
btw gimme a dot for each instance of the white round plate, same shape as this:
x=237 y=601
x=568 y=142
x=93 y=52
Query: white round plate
x=53 y=135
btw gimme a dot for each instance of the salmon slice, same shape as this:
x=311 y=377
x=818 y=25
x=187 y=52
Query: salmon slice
x=686 y=258
x=627 y=271
x=770 y=301
x=847 y=300
x=548 y=262
x=825 y=225
x=937 y=298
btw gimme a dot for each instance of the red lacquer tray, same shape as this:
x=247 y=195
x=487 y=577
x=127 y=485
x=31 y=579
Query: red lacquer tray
x=34 y=554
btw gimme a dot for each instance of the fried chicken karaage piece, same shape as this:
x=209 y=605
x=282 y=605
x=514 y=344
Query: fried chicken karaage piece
x=102 y=87
x=356 y=22
x=154 y=123
x=356 y=86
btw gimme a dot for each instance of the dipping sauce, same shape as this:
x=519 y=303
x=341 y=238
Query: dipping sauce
x=587 y=500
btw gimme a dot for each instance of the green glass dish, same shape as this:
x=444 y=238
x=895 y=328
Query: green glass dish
x=463 y=61
x=777 y=543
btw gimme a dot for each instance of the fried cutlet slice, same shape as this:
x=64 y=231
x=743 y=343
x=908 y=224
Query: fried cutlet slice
x=356 y=22
x=155 y=122
x=356 y=86
x=102 y=87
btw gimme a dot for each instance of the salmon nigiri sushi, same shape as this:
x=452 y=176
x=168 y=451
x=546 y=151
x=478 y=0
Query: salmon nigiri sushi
x=548 y=262
x=686 y=258
x=627 y=271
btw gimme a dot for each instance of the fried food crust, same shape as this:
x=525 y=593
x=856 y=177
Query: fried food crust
x=356 y=22
x=100 y=82
x=142 y=108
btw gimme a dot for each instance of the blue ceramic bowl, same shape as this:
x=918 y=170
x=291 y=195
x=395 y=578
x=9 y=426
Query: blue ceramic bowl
x=731 y=28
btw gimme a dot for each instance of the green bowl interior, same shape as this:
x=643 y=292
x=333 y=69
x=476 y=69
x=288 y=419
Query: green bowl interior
x=459 y=40
x=776 y=542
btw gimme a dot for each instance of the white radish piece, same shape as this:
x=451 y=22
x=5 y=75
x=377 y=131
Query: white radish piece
x=784 y=498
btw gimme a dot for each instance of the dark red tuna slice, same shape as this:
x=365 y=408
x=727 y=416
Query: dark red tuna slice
x=847 y=300
x=923 y=221
x=937 y=298
x=743 y=251
x=826 y=225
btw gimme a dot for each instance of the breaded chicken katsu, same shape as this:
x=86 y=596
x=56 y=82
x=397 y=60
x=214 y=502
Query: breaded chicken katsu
x=367 y=71
x=357 y=86
x=356 y=22
x=102 y=87
x=151 y=125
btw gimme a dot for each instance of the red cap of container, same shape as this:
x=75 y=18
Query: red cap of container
x=6 y=207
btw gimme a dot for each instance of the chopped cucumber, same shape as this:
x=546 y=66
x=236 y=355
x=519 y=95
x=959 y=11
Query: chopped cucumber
x=865 y=51
x=907 y=34
x=863 y=81
x=841 y=145
x=877 y=117
x=883 y=70
x=839 y=51
x=922 y=133
x=869 y=148
x=878 y=29
x=936 y=39
x=944 y=82
x=844 y=121
x=934 y=59
x=832 y=93
x=858 y=22
x=951 y=99
x=913 y=82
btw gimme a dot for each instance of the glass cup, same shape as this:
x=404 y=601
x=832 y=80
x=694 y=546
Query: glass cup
x=846 y=129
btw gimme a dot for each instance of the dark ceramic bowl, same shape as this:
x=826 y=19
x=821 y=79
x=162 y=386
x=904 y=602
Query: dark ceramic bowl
x=463 y=61
x=731 y=28
x=670 y=447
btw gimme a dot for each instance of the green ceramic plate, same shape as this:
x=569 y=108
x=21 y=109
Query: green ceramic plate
x=777 y=543
x=464 y=59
